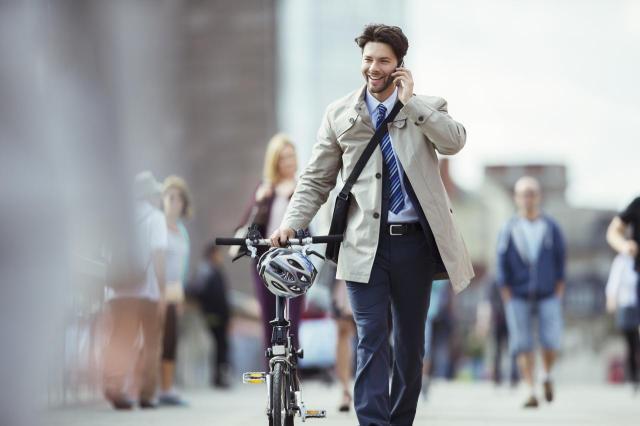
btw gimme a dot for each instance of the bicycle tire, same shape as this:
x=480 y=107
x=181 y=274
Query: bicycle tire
x=279 y=398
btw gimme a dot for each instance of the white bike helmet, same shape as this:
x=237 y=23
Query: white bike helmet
x=286 y=272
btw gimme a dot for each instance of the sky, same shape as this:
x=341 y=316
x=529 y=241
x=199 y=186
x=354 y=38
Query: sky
x=537 y=82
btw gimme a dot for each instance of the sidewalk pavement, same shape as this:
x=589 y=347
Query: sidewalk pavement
x=449 y=404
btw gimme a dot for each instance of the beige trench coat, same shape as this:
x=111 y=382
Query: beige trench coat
x=421 y=128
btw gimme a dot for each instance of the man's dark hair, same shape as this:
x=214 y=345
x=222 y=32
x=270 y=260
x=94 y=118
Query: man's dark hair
x=393 y=36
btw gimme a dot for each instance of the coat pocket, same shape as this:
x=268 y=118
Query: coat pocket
x=344 y=123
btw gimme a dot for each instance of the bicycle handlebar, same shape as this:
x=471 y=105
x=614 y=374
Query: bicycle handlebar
x=292 y=241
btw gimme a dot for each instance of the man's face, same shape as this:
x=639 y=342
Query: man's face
x=378 y=63
x=528 y=199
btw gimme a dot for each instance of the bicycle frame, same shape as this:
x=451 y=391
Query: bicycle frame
x=282 y=355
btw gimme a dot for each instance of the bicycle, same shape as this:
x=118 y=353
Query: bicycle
x=284 y=395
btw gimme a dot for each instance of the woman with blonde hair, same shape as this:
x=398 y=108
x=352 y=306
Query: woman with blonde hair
x=267 y=208
x=176 y=203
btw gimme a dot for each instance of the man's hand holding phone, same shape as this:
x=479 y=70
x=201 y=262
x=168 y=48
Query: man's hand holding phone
x=404 y=80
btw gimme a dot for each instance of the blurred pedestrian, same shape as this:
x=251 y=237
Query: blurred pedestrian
x=531 y=264
x=500 y=336
x=437 y=305
x=341 y=310
x=176 y=203
x=136 y=307
x=267 y=207
x=213 y=299
x=622 y=300
x=617 y=235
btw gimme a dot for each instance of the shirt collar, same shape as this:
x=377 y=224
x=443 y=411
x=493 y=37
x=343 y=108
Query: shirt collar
x=372 y=103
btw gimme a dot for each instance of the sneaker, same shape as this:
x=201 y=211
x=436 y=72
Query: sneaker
x=171 y=399
x=532 y=402
x=548 y=390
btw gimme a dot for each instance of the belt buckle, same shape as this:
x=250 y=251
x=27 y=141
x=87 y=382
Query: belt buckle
x=391 y=229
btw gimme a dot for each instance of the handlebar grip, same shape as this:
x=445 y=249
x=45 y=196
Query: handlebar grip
x=230 y=241
x=327 y=239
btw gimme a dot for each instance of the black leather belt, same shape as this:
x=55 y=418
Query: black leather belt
x=396 y=229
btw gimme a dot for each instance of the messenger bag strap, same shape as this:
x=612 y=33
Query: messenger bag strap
x=364 y=158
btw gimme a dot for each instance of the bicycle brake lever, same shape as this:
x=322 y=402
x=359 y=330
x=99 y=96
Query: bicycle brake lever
x=307 y=251
x=241 y=255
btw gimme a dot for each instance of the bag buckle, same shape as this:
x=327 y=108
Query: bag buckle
x=344 y=197
x=391 y=232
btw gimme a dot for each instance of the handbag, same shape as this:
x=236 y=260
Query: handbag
x=343 y=199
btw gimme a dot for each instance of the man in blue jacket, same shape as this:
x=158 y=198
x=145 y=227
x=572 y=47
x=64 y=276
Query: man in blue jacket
x=530 y=272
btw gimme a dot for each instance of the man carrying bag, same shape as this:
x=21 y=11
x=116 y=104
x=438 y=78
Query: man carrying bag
x=398 y=228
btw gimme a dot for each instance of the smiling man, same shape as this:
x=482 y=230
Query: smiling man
x=400 y=229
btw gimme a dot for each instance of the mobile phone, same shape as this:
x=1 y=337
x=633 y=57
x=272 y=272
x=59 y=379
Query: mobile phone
x=400 y=83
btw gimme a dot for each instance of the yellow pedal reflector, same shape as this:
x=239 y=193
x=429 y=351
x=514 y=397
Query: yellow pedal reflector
x=316 y=413
x=254 y=378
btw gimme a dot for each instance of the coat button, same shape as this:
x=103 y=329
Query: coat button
x=352 y=120
x=376 y=215
x=378 y=175
x=421 y=118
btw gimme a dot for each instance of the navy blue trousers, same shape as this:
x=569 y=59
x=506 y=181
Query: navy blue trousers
x=401 y=277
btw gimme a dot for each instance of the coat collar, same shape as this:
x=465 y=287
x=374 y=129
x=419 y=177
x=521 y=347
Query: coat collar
x=360 y=107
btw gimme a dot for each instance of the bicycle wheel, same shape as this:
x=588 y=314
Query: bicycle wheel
x=279 y=398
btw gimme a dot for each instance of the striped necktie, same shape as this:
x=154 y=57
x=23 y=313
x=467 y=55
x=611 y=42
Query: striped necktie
x=396 y=203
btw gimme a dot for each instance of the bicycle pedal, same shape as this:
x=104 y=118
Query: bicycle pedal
x=254 y=377
x=316 y=414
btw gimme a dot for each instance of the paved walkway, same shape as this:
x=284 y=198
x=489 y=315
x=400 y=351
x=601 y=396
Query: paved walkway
x=450 y=404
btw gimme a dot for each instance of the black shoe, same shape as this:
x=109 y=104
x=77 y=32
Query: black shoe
x=221 y=379
x=221 y=384
x=148 y=405
x=120 y=403
x=345 y=406
x=548 y=390
x=532 y=402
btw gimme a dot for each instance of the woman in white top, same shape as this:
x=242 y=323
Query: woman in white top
x=176 y=203
x=622 y=299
